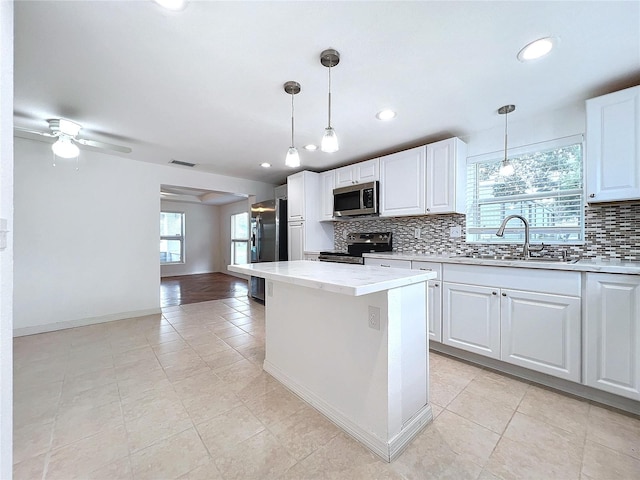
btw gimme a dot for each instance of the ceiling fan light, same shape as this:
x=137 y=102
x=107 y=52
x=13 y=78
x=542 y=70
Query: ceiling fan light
x=65 y=148
x=329 y=141
x=293 y=158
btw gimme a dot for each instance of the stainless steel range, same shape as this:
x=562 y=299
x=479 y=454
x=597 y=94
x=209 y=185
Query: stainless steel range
x=357 y=244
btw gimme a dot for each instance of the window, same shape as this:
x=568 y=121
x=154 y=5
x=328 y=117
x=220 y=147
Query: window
x=239 y=238
x=545 y=188
x=171 y=237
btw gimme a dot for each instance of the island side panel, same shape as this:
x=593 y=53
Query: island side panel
x=320 y=345
x=321 y=341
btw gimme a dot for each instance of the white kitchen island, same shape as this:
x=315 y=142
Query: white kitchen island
x=351 y=340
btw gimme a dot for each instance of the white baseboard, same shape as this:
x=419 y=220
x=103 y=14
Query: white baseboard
x=81 y=322
x=388 y=450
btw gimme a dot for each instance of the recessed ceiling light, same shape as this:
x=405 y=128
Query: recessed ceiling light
x=173 y=5
x=311 y=147
x=265 y=165
x=386 y=114
x=536 y=49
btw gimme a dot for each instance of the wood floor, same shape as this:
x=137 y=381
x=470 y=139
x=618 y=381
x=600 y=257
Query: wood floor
x=187 y=289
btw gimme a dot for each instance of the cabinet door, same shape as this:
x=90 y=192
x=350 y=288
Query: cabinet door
x=612 y=334
x=613 y=146
x=541 y=332
x=471 y=318
x=295 y=194
x=444 y=190
x=296 y=241
x=402 y=183
x=326 y=190
x=345 y=176
x=368 y=171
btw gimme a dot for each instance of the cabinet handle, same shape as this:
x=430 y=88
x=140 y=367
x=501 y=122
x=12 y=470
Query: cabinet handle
x=436 y=285
x=383 y=265
x=592 y=195
x=494 y=293
x=427 y=269
x=504 y=294
x=428 y=209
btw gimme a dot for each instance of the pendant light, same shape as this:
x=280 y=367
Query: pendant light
x=506 y=168
x=293 y=157
x=329 y=58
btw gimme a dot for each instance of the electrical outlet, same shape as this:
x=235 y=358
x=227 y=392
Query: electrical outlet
x=374 y=317
x=455 y=232
x=417 y=233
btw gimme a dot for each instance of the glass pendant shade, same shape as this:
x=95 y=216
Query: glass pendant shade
x=65 y=148
x=293 y=158
x=506 y=168
x=329 y=141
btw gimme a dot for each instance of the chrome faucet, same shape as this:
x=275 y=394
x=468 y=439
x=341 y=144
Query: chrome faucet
x=526 y=251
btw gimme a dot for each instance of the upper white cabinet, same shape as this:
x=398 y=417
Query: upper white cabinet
x=612 y=333
x=402 y=181
x=613 y=146
x=446 y=176
x=326 y=194
x=362 y=172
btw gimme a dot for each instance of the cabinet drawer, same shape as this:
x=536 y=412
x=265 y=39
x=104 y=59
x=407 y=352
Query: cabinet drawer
x=391 y=262
x=420 y=265
x=530 y=279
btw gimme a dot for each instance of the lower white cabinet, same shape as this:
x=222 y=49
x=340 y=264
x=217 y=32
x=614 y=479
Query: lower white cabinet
x=541 y=332
x=529 y=318
x=471 y=318
x=612 y=333
x=296 y=241
x=434 y=299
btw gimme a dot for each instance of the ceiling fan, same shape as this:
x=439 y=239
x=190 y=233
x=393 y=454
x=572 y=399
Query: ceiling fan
x=66 y=133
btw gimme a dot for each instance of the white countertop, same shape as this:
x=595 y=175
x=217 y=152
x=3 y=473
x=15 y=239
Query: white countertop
x=341 y=278
x=588 y=265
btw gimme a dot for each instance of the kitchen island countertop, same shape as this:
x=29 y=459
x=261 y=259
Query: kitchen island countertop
x=341 y=278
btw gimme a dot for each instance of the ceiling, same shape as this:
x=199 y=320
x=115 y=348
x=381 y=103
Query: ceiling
x=195 y=195
x=205 y=85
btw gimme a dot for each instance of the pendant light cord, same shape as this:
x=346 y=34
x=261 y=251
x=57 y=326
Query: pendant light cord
x=329 y=95
x=292 y=123
x=506 y=129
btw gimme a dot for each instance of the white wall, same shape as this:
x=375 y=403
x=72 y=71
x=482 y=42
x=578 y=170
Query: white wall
x=88 y=241
x=527 y=130
x=6 y=255
x=202 y=239
x=225 y=230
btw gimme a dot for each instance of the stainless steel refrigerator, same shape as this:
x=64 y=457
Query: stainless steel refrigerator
x=268 y=238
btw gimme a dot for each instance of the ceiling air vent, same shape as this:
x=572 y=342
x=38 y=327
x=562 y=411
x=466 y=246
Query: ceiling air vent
x=184 y=164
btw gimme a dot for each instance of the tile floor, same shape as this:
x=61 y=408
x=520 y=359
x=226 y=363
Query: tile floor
x=182 y=395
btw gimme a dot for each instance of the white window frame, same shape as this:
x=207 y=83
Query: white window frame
x=514 y=226
x=239 y=240
x=180 y=237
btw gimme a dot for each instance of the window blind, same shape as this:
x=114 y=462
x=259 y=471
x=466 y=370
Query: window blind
x=545 y=188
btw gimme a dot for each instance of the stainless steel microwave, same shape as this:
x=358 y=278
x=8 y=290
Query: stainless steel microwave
x=358 y=199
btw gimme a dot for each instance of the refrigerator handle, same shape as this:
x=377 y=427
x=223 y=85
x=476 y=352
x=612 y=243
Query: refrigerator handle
x=259 y=242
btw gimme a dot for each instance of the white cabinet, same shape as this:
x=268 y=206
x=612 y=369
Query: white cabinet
x=446 y=176
x=388 y=262
x=612 y=333
x=303 y=205
x=471 y=318
x=613 y=146
x=326 y=195
x=296 y=241
x=527 y=317
x=368 y=171
x=541 y=332
x=402 y=181
x=434 y=299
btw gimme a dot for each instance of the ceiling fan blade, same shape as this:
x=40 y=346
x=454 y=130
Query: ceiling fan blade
x=108 y=146
x=35 y=132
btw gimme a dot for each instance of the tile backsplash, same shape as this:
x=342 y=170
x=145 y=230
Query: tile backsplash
x=612 y=232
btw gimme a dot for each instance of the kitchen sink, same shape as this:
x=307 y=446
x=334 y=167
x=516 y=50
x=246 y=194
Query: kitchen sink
x=512 y=258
